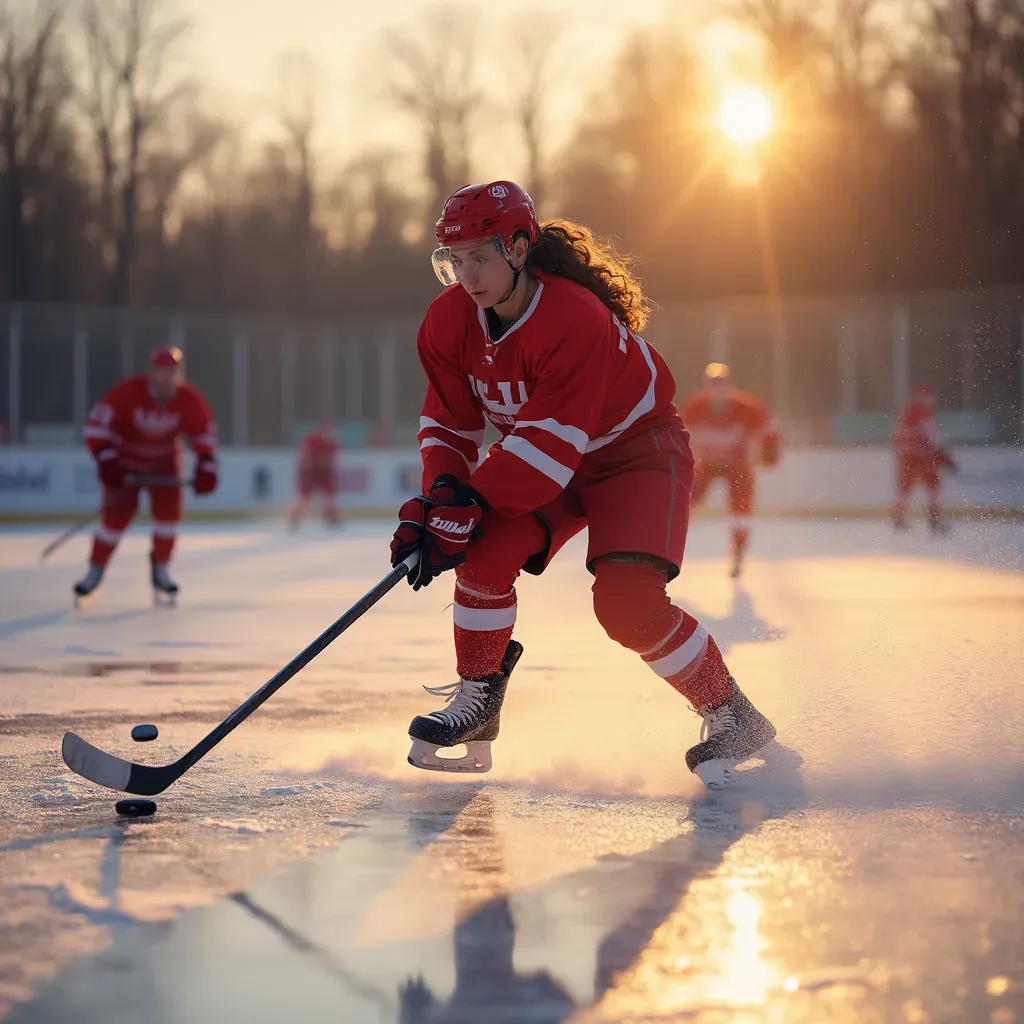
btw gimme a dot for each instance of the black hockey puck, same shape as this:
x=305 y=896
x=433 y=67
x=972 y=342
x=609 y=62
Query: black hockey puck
x=135 y=808
x=144 y=733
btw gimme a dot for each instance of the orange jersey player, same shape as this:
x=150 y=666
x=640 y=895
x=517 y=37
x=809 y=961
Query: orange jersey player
x=920 y=453
x=730 y=432
x=538 y=333
x=134 y=433
x=317 y=473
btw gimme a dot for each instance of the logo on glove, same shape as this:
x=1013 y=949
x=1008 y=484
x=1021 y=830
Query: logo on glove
x=437 y=523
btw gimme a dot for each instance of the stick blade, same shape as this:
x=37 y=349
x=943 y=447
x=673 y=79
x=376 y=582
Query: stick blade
x=94 y=764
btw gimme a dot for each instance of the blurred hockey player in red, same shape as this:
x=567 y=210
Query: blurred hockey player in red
x=133 y=434
x=920 y=454
x=537 y=332
x=317 y=474
x=730 y=431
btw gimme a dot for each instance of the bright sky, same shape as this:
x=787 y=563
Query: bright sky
x=236 y=44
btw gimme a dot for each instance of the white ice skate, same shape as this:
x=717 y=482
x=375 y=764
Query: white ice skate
x=471 y=719
x=729 y=735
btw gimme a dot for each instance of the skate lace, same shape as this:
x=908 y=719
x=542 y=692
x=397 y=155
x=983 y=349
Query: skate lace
x=716 y=720
x=465 y=699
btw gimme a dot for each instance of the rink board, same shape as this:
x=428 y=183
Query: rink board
x=53 y=481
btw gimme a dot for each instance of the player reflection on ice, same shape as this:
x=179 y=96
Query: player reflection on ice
x=487 y=985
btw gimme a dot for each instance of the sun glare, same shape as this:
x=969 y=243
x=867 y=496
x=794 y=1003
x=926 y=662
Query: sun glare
x=745 y=115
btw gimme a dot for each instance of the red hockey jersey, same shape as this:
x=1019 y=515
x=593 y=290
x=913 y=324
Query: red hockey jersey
x=146 y=433
x=318 y=456
x=740 y=430
x=917 y=433
x=566 y=380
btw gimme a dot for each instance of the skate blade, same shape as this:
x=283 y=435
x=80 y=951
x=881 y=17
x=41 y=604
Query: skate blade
x=477 y=758
x=162 y=600
x=725 y=772
x=82 y=601
x=719 y=773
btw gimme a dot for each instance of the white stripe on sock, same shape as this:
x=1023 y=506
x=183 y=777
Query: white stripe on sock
x=479 y=595
x=482 y=620
x=688 y=654
x=106 y=535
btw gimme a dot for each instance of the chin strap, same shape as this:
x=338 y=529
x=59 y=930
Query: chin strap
x=516 y=274
x=515 y=282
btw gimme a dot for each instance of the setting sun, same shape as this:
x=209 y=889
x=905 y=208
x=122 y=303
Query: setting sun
x=745 y=115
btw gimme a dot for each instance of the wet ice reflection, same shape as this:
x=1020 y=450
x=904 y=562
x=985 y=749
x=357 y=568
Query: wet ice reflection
x=746 y=978
x=709 y=953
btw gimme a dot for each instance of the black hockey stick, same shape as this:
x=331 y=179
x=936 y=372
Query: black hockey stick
x=115 y=773
x=66 y=536
x=131 y=481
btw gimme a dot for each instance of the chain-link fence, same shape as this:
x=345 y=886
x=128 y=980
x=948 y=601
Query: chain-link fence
x=834 y=369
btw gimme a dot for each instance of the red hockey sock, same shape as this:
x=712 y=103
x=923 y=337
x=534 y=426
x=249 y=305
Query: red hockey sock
x=483 y=627
x=690 y=662
x=104 y=544
x=631 y=603
x=164 y=536
x=740 y=534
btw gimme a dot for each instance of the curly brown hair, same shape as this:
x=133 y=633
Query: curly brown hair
x=570 y=250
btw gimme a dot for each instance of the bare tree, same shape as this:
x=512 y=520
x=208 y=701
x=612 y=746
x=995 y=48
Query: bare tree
x=530 y=82
x=300 y=82
x=186 y=145
x=34 y=89
x=300 y=99
x=967 y=80
x=133 y=85
x=791 y=31
x=432 y=77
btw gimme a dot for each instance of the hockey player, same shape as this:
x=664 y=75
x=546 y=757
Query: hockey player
x=920 y=454
x=730 y=431
x=132 y=433
x=536 y=331
x=317 y=474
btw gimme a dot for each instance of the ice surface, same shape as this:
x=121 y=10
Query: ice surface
x=871 y=871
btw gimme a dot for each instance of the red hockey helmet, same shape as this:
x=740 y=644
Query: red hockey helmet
x=169 y=355
x=499 y=209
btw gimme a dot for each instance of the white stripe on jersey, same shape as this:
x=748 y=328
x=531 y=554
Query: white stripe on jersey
x=435 y=442
x=644 y=406
x=476 y=436
x=541 y=461
x=571 y=435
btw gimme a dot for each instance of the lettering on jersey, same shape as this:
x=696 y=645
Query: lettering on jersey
x=156 y=422
x=502 y=414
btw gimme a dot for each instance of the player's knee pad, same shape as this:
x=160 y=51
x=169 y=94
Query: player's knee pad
x=631 y=604
x=494 y=560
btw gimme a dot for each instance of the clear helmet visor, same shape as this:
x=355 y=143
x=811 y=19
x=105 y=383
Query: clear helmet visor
x=447 y=264
x=444 y=267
